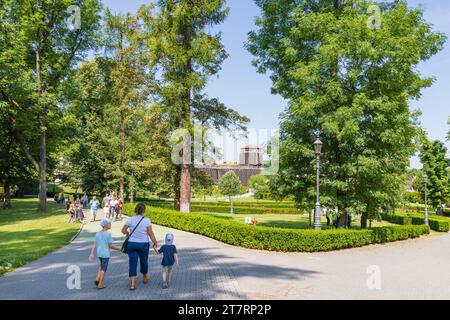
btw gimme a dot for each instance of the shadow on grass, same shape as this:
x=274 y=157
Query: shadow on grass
x=24 y=210
x=21 y=247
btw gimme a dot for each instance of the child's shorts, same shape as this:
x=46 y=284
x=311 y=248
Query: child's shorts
x=104 y=264
x=167 y=268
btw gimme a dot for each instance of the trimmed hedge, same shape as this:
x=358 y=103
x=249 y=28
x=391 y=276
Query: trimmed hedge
x=252 y=204
x=244 y=210
x=239 y=208
x=278 y=239
x=397 y=219
x=436 y=223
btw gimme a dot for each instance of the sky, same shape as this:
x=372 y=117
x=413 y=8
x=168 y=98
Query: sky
x=240 y=87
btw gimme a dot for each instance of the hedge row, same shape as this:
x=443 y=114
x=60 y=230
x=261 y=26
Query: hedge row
x=436 y=223
x=225 y=208
x=244 y=210
x=251 y=204
x=278 y=239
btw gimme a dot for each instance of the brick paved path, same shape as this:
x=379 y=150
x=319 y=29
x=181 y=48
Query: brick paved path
x=202 y=274
x=413 y=269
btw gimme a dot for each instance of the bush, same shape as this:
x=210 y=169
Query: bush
x=446 y=212
x=436 y=223
x=243 y=210
x=239 y=207
x=277 y=239
x=397 y=219
x=414 y=197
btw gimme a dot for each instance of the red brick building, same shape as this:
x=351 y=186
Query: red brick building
x=250 y=164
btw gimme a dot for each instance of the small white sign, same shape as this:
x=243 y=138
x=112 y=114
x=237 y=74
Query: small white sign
x=248 y=220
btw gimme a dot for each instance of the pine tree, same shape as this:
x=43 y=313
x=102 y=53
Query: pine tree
x=187 y=56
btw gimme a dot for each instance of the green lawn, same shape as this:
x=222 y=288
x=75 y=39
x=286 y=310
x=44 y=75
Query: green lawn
x=288 y=221
x=26 y=235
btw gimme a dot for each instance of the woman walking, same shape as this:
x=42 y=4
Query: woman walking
x=139 y=228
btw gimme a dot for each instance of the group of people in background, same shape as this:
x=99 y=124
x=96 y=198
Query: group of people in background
x=112 y=207
x=111 y=204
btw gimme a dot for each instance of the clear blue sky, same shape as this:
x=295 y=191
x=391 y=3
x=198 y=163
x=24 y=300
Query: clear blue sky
x=240 y=87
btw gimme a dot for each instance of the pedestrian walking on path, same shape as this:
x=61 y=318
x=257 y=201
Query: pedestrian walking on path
x=138 y=229
x=170 y=256
x=85 y=200
x=94 y=204
x=106 y=203
x=103 y=245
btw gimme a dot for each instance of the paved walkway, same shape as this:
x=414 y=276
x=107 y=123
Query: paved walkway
x=413 y=269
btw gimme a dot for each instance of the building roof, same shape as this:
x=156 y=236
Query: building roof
x=226 y=164
x=250 y=146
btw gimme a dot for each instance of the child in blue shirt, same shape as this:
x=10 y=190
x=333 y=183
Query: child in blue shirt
x=103 y=244
x=170 y=257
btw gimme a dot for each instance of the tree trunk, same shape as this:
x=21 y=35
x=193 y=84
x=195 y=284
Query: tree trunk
x=343 y=215
x=185 y=188
x=42 y=207
x=6 y=185
x=343 y=220
x=7 y=196
x=364 y=217
x=122 y=154
x=42 y=173
x=176 y=187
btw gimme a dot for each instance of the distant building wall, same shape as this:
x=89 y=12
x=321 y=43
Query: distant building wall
x=244 y=173
x=250 y=164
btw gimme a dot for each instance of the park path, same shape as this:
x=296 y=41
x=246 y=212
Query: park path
x=413 y=269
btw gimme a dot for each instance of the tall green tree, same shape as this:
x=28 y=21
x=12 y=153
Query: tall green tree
x=187 y=56
x=119 y=120
x=230 y=185
x=433 y=155
x=45 y=46
x=349 y=83
x=259 y=184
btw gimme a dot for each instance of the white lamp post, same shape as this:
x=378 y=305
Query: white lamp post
x=132 y=183
x=318 y=150
x=425 y=180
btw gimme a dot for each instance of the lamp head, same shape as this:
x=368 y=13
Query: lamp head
x=318 y=146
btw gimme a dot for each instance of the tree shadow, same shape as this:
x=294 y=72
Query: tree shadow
x=28 y=211
x=204 y=273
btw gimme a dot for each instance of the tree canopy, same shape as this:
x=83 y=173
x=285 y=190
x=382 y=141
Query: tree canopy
x=350 y=84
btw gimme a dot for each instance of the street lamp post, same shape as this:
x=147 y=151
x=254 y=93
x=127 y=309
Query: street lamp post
x=425 y=180
x=318 y=150
x=132 y=183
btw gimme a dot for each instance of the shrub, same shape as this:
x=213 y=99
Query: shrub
x=440 y=224
x=277 y=239
x=244 y=210
x=414 y=197
x=397 y=219
x=436 y=223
